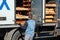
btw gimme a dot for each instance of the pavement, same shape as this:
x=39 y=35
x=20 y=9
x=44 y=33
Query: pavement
x=51 y=38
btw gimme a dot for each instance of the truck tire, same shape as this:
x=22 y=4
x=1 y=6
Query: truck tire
x=8 y=35
x=17 y=36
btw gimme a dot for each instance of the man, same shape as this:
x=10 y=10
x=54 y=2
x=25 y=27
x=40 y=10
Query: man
x=29 y=33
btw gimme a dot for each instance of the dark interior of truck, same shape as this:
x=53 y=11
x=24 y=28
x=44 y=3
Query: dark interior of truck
x=19 y=3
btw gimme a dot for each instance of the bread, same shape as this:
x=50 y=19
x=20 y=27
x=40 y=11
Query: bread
x=48 y=20
x=50 y=5
x=50 y=11
x=49 y=16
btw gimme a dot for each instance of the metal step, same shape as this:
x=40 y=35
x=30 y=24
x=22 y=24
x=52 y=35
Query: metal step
x=44 y=37
x=49 y=24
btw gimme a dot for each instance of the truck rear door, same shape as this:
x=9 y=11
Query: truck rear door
x=45 y=11
x=58 y=13
x=37 y=9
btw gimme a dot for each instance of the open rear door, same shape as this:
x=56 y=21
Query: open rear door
x=37 y=9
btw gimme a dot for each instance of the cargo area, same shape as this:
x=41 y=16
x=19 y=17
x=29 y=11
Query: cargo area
x=24 y=8
x=44 y=13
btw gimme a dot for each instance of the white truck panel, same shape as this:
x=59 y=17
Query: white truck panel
x=9 y=14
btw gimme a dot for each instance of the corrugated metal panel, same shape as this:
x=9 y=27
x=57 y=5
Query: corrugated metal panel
x=58 y=13
x=58 y=9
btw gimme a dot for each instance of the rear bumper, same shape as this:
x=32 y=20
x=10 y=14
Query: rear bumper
x=9 y=26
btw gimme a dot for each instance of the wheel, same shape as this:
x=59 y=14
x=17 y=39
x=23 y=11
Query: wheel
x=13 y=35
x=17 y=36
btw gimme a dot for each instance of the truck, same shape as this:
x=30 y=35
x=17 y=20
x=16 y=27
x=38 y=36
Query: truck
x=15 y=13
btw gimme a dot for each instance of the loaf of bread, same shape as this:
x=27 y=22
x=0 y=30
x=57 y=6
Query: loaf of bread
x=48 y=20
x=50 y=11
x=52 y=5
x=47 y=9
x=20 y=22
x=49 y=16
x=47 y=12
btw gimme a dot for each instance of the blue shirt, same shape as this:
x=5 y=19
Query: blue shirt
x=30 y=28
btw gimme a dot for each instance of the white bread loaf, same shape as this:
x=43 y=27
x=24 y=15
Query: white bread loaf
x=49 y=16
x=48 y=20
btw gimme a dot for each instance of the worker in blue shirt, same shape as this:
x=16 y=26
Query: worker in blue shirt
x=29 y=33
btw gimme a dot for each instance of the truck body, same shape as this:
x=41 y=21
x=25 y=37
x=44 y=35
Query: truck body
x=45 y=12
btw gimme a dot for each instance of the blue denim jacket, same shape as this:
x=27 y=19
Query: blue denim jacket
x=30 y=28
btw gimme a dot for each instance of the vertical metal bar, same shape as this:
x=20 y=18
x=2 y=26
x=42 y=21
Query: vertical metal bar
x=43 y=11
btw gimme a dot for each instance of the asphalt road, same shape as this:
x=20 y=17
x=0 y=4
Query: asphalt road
x=54 y=38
